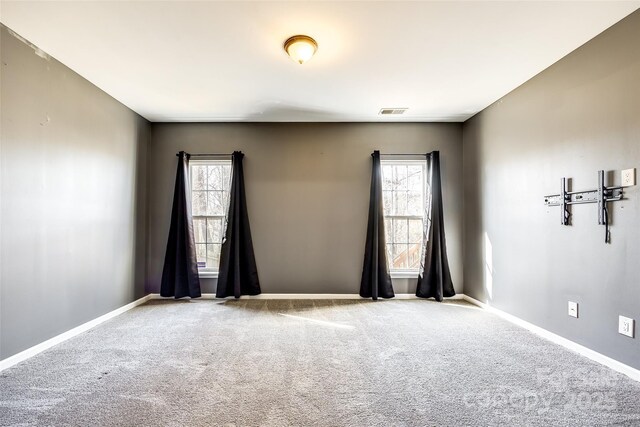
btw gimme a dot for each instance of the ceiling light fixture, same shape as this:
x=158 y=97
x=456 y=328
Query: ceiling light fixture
x=300 y=48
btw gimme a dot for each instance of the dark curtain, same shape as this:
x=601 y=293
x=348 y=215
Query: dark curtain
x=435 y=278
x=376 y=281
x=238 y=274
x=180 y=272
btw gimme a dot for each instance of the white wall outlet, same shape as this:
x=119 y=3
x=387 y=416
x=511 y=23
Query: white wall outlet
x=628 y=177
x=573 y=309
x=626 y=326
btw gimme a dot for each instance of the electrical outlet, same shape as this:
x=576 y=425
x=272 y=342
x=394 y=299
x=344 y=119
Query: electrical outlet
x=626 y=326
x=628 y=177
x=573 y=309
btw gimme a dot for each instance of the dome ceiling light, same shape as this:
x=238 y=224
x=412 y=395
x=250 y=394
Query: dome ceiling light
x=300 y=48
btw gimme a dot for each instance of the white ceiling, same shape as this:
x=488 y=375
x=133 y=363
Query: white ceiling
x=223 y=61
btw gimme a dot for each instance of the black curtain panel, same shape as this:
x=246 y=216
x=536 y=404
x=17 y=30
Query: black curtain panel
x=180 y=272
x=434 y=280
x=376 y=281
x=238 y=274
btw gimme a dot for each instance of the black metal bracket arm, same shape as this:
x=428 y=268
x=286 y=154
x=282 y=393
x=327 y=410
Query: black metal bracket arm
x=601 y=195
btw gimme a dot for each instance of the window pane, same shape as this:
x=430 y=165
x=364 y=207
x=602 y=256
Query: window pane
x=390 y=254
x=415 y=179
x=387 y=177
x=214 y=230
x=388 y=230
x=198 y=177
x=212 y=172
x=399 y=256
x=400 y=182
x=401 y=203
x=226 y=178
x=213 y=256
x=387 y=200
x=215 y=176
x=199 y=203
x=201 y=255
x=400 y=230
x=414 y=204
x=415 y=231
x=414 y=255
x=199 y=230
x=215 y=203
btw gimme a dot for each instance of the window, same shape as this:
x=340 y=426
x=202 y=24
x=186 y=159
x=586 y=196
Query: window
x=404 y=190
x=210 y=182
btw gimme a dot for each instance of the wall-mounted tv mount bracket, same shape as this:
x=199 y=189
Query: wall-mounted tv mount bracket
x=601 y=195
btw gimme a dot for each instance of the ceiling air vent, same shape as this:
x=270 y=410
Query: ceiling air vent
x=392 y=111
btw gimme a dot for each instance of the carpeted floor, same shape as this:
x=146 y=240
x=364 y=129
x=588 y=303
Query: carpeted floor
x=313 y=363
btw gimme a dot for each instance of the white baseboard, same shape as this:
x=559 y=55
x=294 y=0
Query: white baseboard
x=557 y=339
x=275 y=296
x=307 y=296
x=39 y=348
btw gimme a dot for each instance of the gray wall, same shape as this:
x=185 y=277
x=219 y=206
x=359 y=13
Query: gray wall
x=73 y=198
x=578 y=116
x=308 y=193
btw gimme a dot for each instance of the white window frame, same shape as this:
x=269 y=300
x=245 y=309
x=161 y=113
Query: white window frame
x=210 y=272
x=408 y=273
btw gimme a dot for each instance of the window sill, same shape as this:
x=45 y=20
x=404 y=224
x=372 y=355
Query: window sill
x=208 y=274
x=394 y=274
x=408 y=274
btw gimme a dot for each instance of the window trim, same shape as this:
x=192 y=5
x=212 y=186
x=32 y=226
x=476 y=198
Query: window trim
x=209 y=272
x=404 y=273
x=408 y=273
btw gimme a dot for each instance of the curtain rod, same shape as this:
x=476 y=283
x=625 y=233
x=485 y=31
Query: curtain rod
x=208 y=155
x=403 y=154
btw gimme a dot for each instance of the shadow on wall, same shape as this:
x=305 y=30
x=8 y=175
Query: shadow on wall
x=274 y=111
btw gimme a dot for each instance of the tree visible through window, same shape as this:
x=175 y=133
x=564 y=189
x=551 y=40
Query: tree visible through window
x=210 y=185
x=404 y=190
